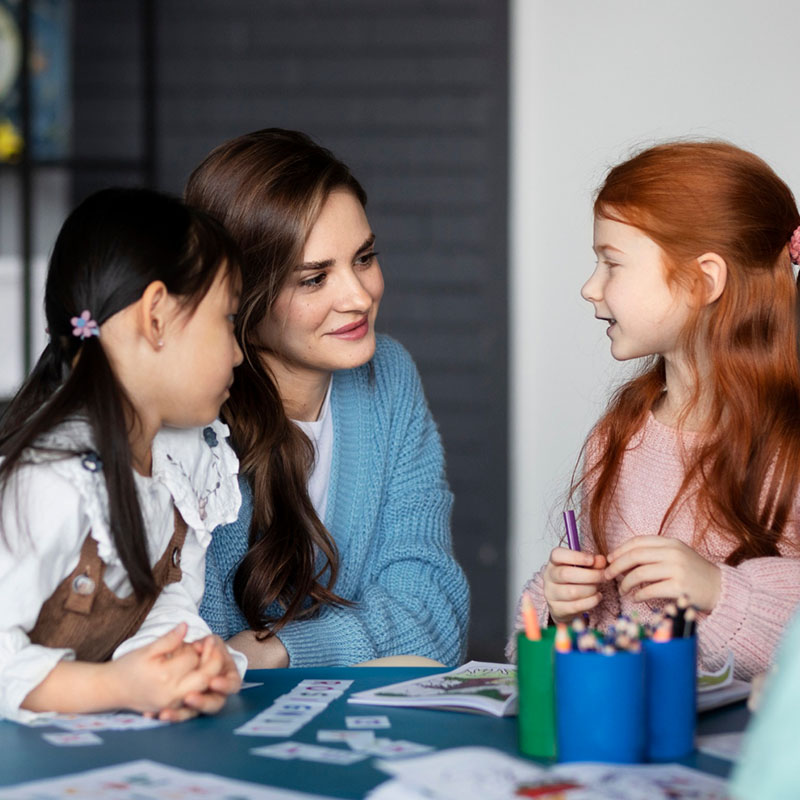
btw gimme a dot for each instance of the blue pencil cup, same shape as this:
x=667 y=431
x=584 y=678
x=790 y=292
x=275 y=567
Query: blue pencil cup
x=671 y=697
x=600 y=707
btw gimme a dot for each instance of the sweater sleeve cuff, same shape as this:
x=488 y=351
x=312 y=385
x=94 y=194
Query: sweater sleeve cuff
x=721 y=627
x=305 y=643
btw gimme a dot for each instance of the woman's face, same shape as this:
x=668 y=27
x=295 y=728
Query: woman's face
x=324 y=316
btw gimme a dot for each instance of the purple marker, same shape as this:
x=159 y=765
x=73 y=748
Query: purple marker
x=572 y=530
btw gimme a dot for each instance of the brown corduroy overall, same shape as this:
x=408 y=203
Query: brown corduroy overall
x=85 y=615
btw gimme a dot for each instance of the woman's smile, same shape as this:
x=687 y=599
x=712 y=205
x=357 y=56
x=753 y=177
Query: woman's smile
x=354 y=331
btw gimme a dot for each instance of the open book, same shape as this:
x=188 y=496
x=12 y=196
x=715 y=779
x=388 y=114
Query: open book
x=719 y=688
x=477 y=686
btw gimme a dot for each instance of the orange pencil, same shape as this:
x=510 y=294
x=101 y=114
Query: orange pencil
x=532 y=630
x=563 y=641
x=663 y=633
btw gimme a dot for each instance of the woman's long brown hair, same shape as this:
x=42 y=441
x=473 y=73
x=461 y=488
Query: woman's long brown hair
x=268 y=188
x=693 y=198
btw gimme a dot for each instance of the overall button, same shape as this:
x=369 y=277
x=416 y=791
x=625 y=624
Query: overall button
x=83 y=585
x=91 y=461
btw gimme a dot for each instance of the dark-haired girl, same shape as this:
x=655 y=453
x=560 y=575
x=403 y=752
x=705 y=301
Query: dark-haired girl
x=691 y=478
x=114 y=470
x=342 y=552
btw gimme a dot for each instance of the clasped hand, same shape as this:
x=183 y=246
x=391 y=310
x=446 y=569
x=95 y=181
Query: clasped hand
x=646 y=568
x=176 y=680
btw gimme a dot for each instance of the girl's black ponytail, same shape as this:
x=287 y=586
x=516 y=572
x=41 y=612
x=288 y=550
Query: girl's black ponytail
x=112 y=246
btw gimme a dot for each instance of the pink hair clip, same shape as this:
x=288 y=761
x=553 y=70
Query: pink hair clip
x=84 y=326
x=794 y=246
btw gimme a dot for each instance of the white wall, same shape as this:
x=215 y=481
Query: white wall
x=593 y=80
x=51 y=190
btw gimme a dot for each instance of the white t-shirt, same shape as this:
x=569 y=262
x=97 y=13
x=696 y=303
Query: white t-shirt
x=320 y=432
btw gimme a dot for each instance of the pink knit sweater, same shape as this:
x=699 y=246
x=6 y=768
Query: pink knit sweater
x=757 y=598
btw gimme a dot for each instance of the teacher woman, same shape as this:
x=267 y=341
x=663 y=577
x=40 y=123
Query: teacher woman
x=342 y=552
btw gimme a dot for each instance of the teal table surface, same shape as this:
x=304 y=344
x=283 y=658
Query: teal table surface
x=208 y=744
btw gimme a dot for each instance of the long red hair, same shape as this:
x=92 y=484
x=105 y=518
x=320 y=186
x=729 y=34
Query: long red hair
x=693 y=198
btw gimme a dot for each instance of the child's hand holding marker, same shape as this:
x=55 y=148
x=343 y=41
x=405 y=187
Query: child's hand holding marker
x=571 y=577
x=658 y=567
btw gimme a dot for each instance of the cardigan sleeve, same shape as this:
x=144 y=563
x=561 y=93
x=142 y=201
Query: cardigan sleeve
x=412 y=597
x=414 y=602
x=229 y=544
x=757 y=600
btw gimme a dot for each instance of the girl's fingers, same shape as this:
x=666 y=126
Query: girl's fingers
x=640 y=541
x=645 y=574
x=577 y=575
x=178 y=661
x=565 y=611
x=579 y=606
x=562 y=555
x=169 y=641
x=199 y=645
x=205 y=702
x=600 y=562
x=567 y=592
x=177 y=714
x=661 y=590
x=635 y=558
x=225 y=683
x=194 y=681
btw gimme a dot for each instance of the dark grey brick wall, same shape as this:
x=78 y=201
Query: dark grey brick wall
x=413 y=95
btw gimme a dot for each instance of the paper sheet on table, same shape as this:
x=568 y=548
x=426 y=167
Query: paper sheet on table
x=491 y=775
x=146 y=780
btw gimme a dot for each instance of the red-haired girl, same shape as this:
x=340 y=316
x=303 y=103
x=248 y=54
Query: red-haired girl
x=690 y=480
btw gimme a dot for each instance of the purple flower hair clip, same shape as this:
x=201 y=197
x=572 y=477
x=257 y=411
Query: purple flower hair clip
x=84 y=326
x=794 y=246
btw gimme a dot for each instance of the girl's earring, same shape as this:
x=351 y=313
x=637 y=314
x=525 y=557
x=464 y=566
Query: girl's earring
x=160 y=343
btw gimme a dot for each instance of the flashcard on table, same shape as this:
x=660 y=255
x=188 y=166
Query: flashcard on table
x=330 y=755
x=309 y=752
x=321 y=702
x=361 y=723
x=282 y=750
x=336 y=684
x=146 y=780
x=289 y=712
x=388 y=748
x=72 y=738
x=284 y=714
x=80 y=722
x=128 y=721
x=352 y=738
x=258 y=727
x=123 y=721
x=325 y=696
x=289 y=705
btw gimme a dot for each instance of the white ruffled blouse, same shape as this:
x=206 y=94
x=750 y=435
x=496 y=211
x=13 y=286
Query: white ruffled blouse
x=48 y=508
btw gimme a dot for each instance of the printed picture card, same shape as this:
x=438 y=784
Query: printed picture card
x=309 y=752
x=360 y=723
x=72 y=738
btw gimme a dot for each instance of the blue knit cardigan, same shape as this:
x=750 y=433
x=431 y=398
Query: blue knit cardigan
x=389 y=511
